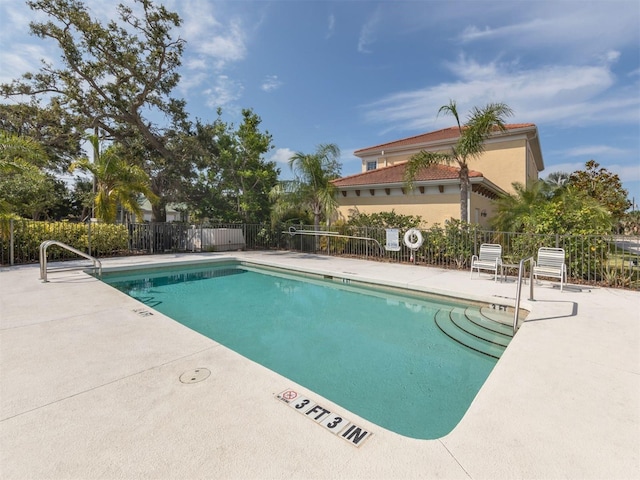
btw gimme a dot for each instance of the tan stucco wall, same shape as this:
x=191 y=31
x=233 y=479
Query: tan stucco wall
x=479 y=204
x=502 y=163
x=432 y=207
x=386 y=160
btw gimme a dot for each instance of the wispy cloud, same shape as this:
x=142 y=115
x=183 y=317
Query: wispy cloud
x=271 y=83
x=574 y=33
x=331 y=27
x=217 y=41
x=367 y=32
x=551 y=94
x=223 y=92
x=20 y=60
x=595 y=150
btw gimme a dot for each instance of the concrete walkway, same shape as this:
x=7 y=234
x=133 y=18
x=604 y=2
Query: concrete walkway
x=90 y=388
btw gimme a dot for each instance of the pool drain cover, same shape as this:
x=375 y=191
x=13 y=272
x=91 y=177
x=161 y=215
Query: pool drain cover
x=195 y=376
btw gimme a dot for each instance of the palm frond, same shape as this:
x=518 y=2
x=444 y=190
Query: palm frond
x=422 y=160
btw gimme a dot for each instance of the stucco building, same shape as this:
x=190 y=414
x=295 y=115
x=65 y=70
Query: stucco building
x=510 y=156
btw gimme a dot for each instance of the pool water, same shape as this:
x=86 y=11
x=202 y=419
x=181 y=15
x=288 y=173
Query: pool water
x=373 y=352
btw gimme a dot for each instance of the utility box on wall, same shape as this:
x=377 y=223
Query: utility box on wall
x=218 y=239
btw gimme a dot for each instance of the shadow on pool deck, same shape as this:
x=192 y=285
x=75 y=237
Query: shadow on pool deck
x=90 y=388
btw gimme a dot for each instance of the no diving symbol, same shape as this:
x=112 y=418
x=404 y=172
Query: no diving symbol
x=289 y=395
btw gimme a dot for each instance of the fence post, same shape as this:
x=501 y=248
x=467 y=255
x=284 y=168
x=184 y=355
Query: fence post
x=475 y=242
x=152 y=236
x=89 y=236
x=11 y=242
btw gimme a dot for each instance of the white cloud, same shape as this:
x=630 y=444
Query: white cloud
x=595 y=150
x=282 y=156
x=271 y=83
x=22 y=58
x=554 y=95
x=225 y=48
x=217 y=42
x=367 y=32
x=331 y=26
x=223 y=92
x=577 y=33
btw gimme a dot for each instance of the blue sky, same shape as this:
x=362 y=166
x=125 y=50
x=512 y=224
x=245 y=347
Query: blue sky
x=360 y=73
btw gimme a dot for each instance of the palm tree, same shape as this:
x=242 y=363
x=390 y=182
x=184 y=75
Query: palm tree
x=117 y=182
x=482 y=122
x=557 y=179
x=516 y=210
x=311 y=188
x=556 y=182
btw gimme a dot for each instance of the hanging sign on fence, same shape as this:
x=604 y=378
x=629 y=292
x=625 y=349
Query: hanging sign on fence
x=393 y=240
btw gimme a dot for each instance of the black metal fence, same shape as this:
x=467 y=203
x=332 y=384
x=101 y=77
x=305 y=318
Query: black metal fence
x=603 y=260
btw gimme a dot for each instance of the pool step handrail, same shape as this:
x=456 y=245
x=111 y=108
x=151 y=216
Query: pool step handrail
x=519 y=289
x=323 y=233
x=43 y=257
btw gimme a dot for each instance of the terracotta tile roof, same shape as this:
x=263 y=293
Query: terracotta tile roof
x=439 y=135
x=395 y=174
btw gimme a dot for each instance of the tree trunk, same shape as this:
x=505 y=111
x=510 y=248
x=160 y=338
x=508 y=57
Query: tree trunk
x=464 y=193
x=159 y=212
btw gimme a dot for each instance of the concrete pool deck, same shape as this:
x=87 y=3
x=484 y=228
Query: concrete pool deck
x=90 y=388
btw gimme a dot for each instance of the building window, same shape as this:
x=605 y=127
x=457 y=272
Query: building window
x=372 y=165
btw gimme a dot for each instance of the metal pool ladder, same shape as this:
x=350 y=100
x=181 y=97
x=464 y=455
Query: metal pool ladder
x=519 y=290
x=43 y=257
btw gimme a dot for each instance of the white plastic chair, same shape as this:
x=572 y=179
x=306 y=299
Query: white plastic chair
x=489 y=258
x=550 y=263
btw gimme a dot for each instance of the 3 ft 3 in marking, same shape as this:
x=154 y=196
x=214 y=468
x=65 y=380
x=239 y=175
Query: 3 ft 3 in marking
x=334 y=423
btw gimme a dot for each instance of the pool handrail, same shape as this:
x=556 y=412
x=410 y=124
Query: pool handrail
x=293 y=231
x=519 y=290
x=43 y=257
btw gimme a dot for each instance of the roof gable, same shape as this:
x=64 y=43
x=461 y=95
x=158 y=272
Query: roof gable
x=395 y=174
x=446 y=134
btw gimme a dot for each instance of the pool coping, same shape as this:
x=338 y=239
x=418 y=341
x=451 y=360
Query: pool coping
x=90 y=390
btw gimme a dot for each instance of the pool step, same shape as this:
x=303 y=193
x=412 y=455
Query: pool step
x=473 y=329
x=498 y=316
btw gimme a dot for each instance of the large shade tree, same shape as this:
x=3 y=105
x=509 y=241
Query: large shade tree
x=480 y=125
x=115 y=77
x=54 y=128
x=603 y=186
x=233 y=179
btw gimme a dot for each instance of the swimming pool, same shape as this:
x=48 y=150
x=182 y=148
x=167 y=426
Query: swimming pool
x=373 y=351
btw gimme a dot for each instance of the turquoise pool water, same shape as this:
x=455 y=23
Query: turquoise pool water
x=373 y=352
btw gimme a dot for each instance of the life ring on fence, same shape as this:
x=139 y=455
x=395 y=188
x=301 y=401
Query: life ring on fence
x=408 y=239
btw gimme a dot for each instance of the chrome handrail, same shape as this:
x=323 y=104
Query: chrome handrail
x=43 y=257
x=519 y=290
x=293 y=231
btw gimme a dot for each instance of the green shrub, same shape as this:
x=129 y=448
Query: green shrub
x=106 y=239
x=449 y=245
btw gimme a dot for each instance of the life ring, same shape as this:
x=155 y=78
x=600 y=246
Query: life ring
x=413 y=245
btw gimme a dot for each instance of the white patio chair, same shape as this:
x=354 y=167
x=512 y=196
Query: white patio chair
x=489 y=258
x=550 y=263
